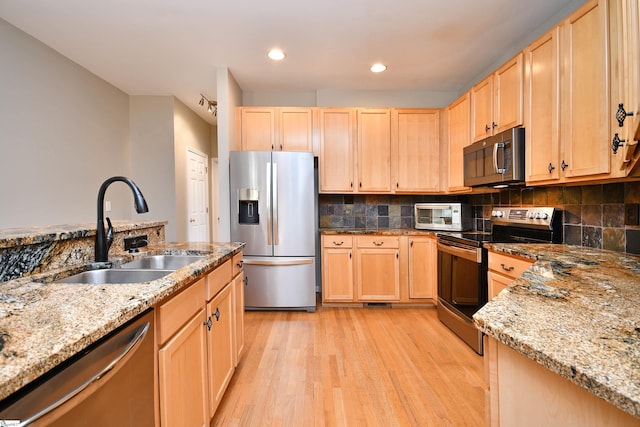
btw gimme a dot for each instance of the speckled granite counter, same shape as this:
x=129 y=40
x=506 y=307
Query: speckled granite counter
x=380 y=231
x=43 y=323
x=576 y=311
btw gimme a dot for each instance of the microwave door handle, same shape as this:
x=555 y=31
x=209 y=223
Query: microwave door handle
x=495 y=157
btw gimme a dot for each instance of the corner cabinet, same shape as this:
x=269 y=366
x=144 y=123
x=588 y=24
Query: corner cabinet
x=496 y=102
x=197 y=341
x=415 y=149
x=275 y=128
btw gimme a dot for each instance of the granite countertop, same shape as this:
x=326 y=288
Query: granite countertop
x=379 y=231
x=576 y=311
x=42 y=323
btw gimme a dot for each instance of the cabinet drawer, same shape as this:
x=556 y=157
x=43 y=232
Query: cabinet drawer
x=236 y=264
x=179 y=309
x=378 y=242
x=508 y=265
x=337 y=241
x=218 y=278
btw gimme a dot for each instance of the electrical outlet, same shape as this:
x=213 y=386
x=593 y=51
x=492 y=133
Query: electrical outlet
x=631 y=214
x=132 y=244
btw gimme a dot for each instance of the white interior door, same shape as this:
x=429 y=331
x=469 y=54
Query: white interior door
x=197 y=196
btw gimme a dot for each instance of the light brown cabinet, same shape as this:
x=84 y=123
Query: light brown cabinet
x=415 y=146
x=337 y=268
x=275 y=128
x=459 y=136
x=496 y=102
x=337 y=150
x=374 y=150
x=238 y=301
x=503 y=269
x=197 y=338
x=377 y=268
x=423 y=268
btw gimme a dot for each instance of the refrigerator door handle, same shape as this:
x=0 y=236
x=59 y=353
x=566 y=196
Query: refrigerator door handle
x=275 y=202
x=246 y=261
x=269 y=219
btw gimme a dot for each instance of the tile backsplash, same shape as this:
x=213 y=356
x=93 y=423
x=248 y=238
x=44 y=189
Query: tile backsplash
x=593 y=215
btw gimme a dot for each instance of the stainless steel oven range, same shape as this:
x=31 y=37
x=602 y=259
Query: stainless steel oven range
x=462 y=263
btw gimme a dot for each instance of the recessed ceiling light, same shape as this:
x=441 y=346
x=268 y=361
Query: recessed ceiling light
x=378 y=68
x=276 y=54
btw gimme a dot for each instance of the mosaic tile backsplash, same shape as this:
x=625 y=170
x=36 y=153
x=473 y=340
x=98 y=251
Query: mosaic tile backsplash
x=593 y=215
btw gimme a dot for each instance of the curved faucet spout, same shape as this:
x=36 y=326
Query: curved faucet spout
x=102 y=243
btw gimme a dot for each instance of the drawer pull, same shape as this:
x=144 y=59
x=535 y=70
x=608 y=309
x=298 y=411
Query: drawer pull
x=378 y=243
x=338 y=243
x=208 y=323
x=239 y=264
x=505 y=268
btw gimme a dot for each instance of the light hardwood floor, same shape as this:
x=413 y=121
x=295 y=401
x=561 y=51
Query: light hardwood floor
x=353 y=367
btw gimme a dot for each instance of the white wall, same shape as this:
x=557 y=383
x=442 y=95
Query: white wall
x=229 y=97
x=63 y=131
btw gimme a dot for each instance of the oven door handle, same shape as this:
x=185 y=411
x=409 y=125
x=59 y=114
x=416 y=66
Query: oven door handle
x=474 y=255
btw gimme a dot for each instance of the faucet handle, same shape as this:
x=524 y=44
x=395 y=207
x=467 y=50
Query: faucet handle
x=109 y=233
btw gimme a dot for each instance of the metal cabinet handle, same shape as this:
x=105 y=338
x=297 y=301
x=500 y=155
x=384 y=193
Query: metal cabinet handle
x=505 y=268
x=123 y=356
x=239 y=265
x=563 y=166
x=338 y=243
x=550 y=167
x=217 y=314
x=616 y=143
x=486 y=128
x=208 y=323
x=621 y=114
x=494 y=125
x=246 y=280
x=378 y=243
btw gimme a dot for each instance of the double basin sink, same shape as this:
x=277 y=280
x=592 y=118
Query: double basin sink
x=140 y=270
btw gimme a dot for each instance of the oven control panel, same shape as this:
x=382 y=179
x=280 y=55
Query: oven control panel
x=538 y=216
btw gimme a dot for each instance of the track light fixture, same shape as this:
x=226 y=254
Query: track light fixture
x=212 y=106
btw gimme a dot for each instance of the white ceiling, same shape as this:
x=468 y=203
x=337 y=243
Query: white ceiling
x=173 y=47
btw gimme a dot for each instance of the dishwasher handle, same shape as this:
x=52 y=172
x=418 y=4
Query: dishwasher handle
x=127 y=351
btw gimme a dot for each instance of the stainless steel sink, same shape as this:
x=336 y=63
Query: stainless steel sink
x=162 y=262
x=110 y=276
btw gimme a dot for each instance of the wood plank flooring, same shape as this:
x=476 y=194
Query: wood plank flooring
x=353 y=367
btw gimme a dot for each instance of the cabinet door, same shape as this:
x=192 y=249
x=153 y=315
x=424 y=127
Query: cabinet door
x=542 y=73
x=482 y=109
x=423 y=267
x=625 y=83
x=238 y=317
x=295 y=129
x=459 y=135
x=182 y=365
x=415 y=142
x=337 y=274
x=585 y=93
x=257 y=128
x=378 y=274
x=220 y=346
x=374 y=150
x=497 y=282
x=508 y=86
x=337 y=150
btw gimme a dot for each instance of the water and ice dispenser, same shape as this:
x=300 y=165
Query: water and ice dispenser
x=248 y=206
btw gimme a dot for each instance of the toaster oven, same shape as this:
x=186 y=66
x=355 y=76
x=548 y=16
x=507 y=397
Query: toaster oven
x=443 y=216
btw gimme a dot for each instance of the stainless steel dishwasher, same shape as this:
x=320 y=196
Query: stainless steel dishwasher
x=109 y=384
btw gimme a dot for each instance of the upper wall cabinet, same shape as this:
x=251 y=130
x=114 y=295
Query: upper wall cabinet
x=415 y=147
x=624 y=17
x=337 y=149
x=459 y=136
x=374 y=150
x=496 y=102
x=275 y=128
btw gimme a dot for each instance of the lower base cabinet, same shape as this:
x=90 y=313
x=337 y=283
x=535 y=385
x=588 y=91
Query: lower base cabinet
x=200 y=337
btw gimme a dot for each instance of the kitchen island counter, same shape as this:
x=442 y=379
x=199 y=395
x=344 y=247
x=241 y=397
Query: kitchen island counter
x=575 y=312
x=42 y=324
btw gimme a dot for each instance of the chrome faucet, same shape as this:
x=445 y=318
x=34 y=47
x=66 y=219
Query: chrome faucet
x=104 y=240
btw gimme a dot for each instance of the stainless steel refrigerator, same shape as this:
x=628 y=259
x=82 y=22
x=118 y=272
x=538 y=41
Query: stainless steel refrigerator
x=273 y=205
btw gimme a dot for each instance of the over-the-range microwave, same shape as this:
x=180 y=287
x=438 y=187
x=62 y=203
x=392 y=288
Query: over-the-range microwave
x=443 y=216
